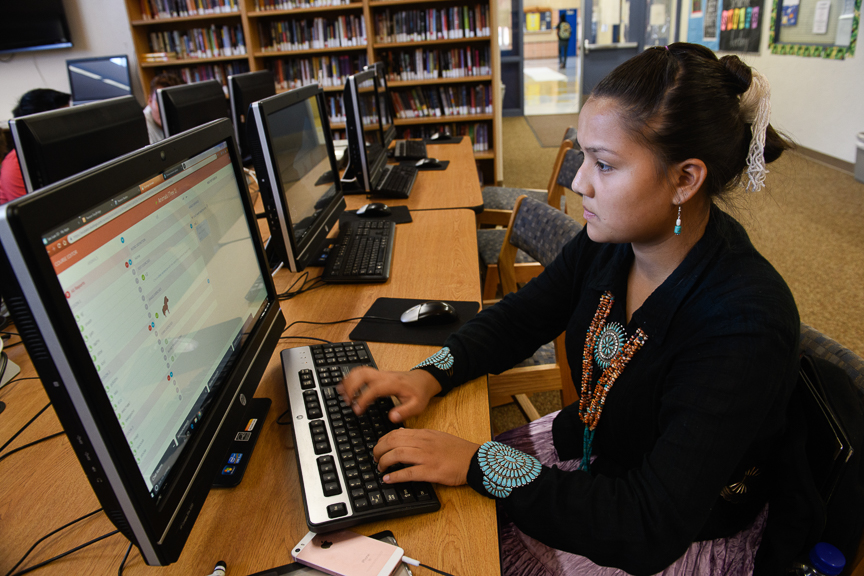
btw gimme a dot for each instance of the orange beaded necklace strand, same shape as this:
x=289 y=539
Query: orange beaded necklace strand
x=591 y=401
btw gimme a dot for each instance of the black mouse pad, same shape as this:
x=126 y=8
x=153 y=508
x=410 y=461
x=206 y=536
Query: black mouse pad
x=451 y=140
x=398 y=333
x=398 y=214
x=443 y=166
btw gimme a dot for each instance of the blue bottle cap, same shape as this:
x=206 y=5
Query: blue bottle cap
x=827 y=559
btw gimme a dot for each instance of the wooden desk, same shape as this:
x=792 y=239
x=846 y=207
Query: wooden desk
x=252 y=527
x=456 y=187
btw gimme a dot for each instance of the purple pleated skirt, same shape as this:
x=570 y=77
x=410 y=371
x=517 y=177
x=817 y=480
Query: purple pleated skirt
x=521 y=555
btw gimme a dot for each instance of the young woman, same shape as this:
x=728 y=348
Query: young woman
x=682 y=340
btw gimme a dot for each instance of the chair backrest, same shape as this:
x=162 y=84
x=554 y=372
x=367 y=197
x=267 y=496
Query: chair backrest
x=817 y=344
x=567 y=170
x=567 y=143
x=540 y=231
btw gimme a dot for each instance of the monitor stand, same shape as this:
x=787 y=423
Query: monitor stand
x=234 y=466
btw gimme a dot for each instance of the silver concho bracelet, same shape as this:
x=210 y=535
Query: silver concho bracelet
x=505 y=468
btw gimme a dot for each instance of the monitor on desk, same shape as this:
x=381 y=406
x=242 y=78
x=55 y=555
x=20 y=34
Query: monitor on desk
x=367 y=155
x=93 y=79
x=142 y=293
x=295 y=163
x=385 y=105
x=189 y=105
x=57 y=144
x=243 y=91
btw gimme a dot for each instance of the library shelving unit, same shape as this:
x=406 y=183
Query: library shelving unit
x=442 y=56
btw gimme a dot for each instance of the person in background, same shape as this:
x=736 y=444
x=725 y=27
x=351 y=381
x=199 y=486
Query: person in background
x=564 y=30
x=682 y=340
x=151 y=111
x=38 y=100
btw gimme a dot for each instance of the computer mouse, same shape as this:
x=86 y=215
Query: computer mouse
x=374 y=210
x=440 y=136
x=430 y=314
x=429 y=162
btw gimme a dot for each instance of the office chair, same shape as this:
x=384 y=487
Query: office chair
x=498 y=201
x=540 y=231
x=490 y=241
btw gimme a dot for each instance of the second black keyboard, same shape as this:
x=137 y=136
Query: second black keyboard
x=362 y=252
x=396 y=181
x=409 y=150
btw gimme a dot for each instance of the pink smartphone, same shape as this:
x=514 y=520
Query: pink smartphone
x=347 y=553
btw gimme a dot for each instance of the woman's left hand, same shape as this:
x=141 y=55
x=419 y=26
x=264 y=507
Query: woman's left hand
x=430 y=456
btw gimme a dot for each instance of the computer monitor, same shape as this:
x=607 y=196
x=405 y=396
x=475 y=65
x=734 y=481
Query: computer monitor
x=297 y=174
x=142 y=294
x=57 y=144
x=385 y=104
x=243 y=90
x=189 y=105
x=367 y=155
x=92 y=79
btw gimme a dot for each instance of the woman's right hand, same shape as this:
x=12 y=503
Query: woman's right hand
x=413 y=389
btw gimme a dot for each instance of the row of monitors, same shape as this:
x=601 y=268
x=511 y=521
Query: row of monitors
x=142 y=291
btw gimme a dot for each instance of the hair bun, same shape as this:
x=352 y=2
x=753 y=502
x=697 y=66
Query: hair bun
x=739 y=71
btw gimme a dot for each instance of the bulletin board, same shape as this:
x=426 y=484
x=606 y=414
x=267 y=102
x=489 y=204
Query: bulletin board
x=727 y=25
x=820 y=28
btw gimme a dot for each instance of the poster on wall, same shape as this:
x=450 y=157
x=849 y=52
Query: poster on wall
x=740 y=25
x=709 y=23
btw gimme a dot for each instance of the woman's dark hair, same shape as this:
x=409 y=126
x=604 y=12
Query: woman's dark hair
x=683 y=102
x=41 y=100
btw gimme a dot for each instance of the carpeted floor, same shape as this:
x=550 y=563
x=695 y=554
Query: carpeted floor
x=549 y=129
x=808 y=222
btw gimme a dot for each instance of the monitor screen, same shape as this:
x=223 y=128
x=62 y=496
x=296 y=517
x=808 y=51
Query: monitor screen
x=145 y=282
x=33 y=25
x=243 y=91
x=366 y=153
x=296 y=168
x=92 y=79
x=190 y=105
x=60 y=143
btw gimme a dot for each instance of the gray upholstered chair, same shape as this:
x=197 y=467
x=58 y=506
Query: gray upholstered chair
x=490 y=241
x=540 y=231
x=815 y=343
x=498 y=201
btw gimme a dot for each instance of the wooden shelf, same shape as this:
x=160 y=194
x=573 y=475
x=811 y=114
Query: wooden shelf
x=324 y=51
x=436 y=81
x=182 y=19
x=484 y=155
x=385 y=3
x=442 y=119
x=255 y=14
x=391 y=45
x=188 y=61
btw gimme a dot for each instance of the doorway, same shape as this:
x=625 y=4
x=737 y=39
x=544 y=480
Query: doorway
x=550 y=87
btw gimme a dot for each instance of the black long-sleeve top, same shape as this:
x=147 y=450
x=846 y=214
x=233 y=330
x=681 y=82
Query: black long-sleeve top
x=701 y=402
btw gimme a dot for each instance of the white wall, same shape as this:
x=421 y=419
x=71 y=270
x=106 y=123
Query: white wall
x=98 y=28
x=818 y=102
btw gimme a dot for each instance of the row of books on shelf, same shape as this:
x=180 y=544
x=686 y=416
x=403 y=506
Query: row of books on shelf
x=155 y=9
x=328 y=71
x=437 y=101
x=210 y=42
x=267 y=5
x=217 y=71
x=453 y=23
x=426 y=64
x=478 y=132
x=312 y=33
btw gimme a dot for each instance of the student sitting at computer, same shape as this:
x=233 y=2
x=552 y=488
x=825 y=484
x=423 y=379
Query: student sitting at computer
x=38 y=100
x=681 y=337
x=151 y=111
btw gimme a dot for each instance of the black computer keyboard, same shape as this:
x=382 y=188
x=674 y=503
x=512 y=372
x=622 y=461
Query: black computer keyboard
x=409 y=150
x=362 y=252
x=341 y=484
x=396 y=181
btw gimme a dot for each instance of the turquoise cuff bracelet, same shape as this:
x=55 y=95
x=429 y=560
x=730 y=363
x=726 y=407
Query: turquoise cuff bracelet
x=505 y=468
x=442 y=360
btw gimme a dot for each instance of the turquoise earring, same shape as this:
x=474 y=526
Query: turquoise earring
x=678 y=222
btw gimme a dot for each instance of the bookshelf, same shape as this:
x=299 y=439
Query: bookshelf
x=442 y=55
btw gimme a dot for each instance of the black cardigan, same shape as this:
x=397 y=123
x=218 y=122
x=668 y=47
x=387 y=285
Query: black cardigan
x=703 y=401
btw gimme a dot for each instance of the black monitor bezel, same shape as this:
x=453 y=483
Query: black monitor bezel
x=295 y=256
x=161 y=526
x=195 y=97
x=361 y=166
x=239 y=86
x=89 y=117
x=388 y=135
x=96 y=59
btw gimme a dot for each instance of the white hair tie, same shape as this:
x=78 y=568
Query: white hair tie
x=756 y=109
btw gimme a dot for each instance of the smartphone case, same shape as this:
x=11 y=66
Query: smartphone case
x=346 y=553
